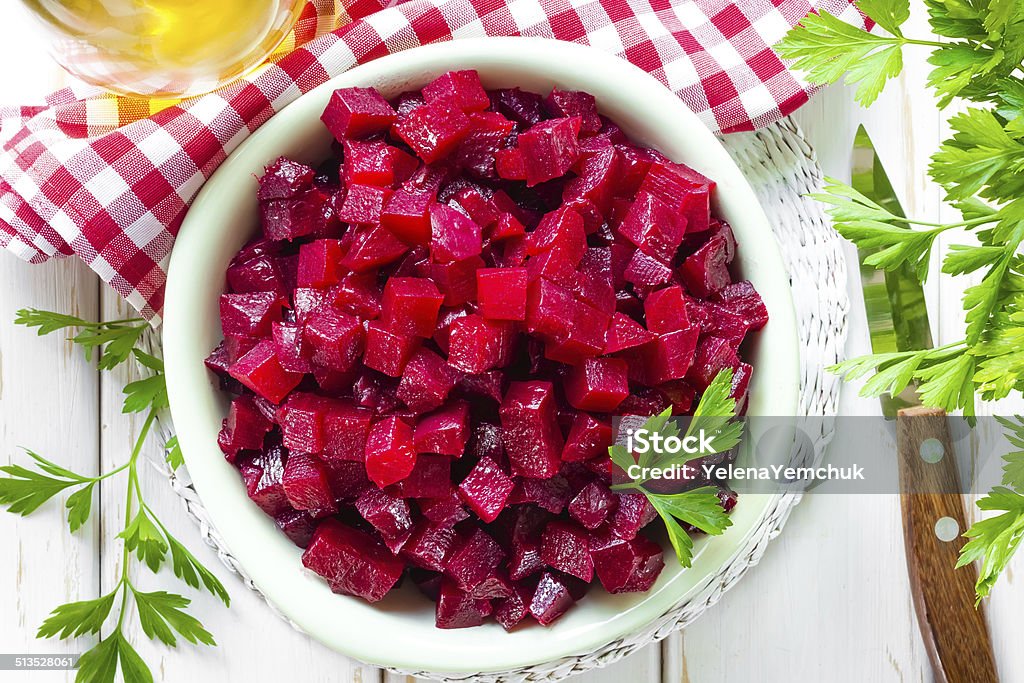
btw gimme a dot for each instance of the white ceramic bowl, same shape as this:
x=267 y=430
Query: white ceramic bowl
x=399 y=632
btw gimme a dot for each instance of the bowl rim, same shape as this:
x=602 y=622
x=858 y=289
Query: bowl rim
x=347 y=624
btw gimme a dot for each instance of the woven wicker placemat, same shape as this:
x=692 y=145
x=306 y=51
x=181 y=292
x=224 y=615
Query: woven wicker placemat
x=781 y=166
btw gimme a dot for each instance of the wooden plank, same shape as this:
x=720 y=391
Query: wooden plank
x=245 y=630
x=47 y=400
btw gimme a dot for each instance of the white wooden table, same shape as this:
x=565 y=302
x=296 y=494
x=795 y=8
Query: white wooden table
x=830 y=601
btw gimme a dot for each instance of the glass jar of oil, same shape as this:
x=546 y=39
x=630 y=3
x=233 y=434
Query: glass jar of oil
x=164 y=48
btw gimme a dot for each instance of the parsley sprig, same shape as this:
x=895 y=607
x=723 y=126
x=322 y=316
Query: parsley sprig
x=162 y=614
x=699 y=507
x=978 y=60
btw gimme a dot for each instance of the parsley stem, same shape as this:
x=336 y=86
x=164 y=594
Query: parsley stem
x=923 y=43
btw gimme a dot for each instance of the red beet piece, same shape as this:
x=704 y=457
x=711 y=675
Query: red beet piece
x=358 y=294
x=549 y=494
x=595 y=279
x=352 y=561
x=407 y=215
x=575 y=103
x=372 y=247
x=376 y=163
x=628 y=566
x=433 y=130
x=463 y=88
x=551 y=599
x=291 y=348
x=457 y=281
x=357 y=112
x=348 y=479
x=670 y=356
x=345 y=430
x=454 y=236
x=561 y=229
x=431 y=478
x=507 y=227
x=644 y=270
x=587 y=337
x=530 y=431
x=410 y=305
x=474 y=560
x=501 y=293
x=337 y=339
x=260 y=370
x=683 y=189
x=665 y=310
x=634 y=513
x=547 y=305
x=263 y=480
x=297 y=525
x=429 y=546
x=549 y=149
x=625 y=333
x=363 y=204
x=512 y=610
x=706 y=271
x=653 y=227
x=318 y=263
x=588 y=438
x=458 y=609
x=444 y=512
x=486 y=489
x=713 y=356
x=524 y=107
x=593 y=504
x=249 y=314
x=476 y=344
x=510 y=164
x=301 y=418
x=244 y=427
x=740 y=387
x=388 y=351
x=258 y=274
x=390 y=454
x=390 y=515
x=488 y=133
x=285 y=179
x=306 y=483
x=564 y=546
x=597 y=384
x=742 y=298
x=426 y=381
x=445 y=431
x=289 y=219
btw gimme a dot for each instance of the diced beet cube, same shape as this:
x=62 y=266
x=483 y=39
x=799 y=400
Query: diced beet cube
x=495 y=586
x=525 y=558
x=433 y=130
x=665 y=310
x=426 y=381
x=390 y=454
x=507 y=227
x=352 y=561
x=458 y=609
x=457 y=281
x=706 y=271
x=530 y=431
x=301 y=418
x=260 y=370
x=245 y=425
x=510 y=164
x=742 y=298
x=363 y=204
x=575 y=103
x=306 y=301
x=564 y=546
x=376 y=163
x=587 y=337
x=463 y=88
x=626 y=333
x=289 y=219
x=646 y=271
x=597 y=384
x=626 y=566
x=356 y=113
x=429 y=546
x=259 y=274
x=297 y=525
x=596 y=181
x=524 y=107
x=306 y=484
x=291 y=348
x=445 y=431
x=319 y=263
x=388 y=351
x=588 y=438
x=348 y=479
x=593 y=505
x=373 y=247
x=445 y=512
x=634 y=513
x=345 y=430
x=677 y=185
x=476 y=344
x=740 y=387
x=652 y=227
x=486 y=443
x=483 y=385
x=488 y=133
x=680 y=394
x=547 y=305
x=389 y=515
x=431 y=478
x=454 y=236
x=549 y=149
x=410 y=305
x=486 y=489
x=513 y=609
x=595 y=279
x=550 y=494
x=560 y=229
x=474 y=560
x=670 y=356
x=249 y=314
x=501 y=293
x=337 y=339
x=285 y=179
x=551 y=599
x=407 y=215
x=358 y=294
x=263 y=476
x=713 y=355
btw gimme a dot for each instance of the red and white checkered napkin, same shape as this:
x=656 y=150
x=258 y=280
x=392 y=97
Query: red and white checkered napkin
x=109 y=179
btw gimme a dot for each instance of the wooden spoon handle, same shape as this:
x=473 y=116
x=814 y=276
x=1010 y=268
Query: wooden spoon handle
x=954 y=631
